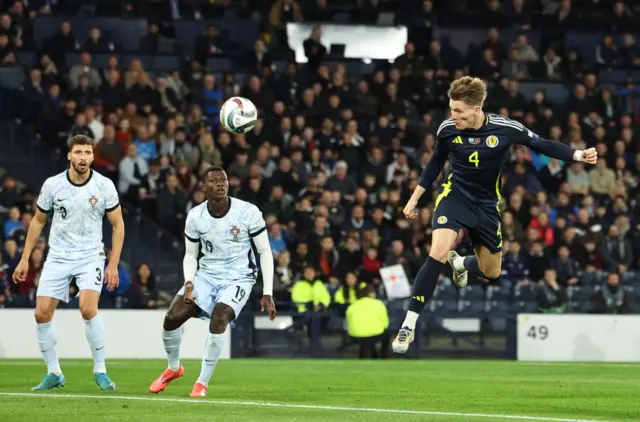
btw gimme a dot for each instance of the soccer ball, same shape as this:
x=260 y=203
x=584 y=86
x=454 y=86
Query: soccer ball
x=238 y=115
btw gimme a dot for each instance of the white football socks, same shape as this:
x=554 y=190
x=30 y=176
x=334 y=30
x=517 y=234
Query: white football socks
x=212 y=351
x=46 y=337
x=94 y=331
x=172 y=341
x=458 y=264
x=410 y=320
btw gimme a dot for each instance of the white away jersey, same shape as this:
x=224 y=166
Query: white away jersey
x=78 y=212
x=225 y=242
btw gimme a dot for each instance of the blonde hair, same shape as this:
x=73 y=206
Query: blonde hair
x=469 y=90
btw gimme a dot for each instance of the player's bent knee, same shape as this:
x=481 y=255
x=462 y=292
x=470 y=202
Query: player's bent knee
x=440 y=250
x=88 y=312
x=491 y=272
x=43 y=315
x=443 y=242
x=221 y=318
x=172 y=321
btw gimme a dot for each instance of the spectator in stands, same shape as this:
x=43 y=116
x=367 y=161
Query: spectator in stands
x=602 y=180
x=13 y=223
x=612 y=298
x=347 y=293
x=276 y=240
x=80 y=127
x=11 y=257
x=551 y=296
x=314 y=50
x=131 y=170
x=617 y=252
x=9 y=195
x=96 y=44
x=171 y=206
x=281 y=13
x=283 y=278
x=210 y=100
x=567 y=268
x=310 y=293
x=7 y=51
x=20 y=233
x=515 y=264
x=85 y=68
x=143 y=293
x=578 y=179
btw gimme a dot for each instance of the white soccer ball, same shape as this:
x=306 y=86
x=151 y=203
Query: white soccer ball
x=238 y=115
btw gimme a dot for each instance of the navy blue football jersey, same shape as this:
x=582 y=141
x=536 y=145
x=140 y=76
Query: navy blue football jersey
x=477 y=157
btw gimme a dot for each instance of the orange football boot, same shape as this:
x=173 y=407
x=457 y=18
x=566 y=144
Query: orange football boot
x=164 y=379
x=199 y=390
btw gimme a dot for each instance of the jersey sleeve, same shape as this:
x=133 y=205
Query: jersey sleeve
x=111 y=201
x=45 y=199
x=190 y=231
x=520 y=135
x=256 y=222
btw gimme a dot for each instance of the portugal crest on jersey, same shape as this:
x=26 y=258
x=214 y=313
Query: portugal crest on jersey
x=235 y=231
x=93 y=201
x=492 y=141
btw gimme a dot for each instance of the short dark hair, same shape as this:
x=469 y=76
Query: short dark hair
x=209 y=170
x=79 y=140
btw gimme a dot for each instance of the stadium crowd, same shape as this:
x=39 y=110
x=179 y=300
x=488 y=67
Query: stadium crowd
x=335 y=155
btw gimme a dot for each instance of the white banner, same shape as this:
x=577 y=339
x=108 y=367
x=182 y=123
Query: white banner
x=395 y=282
x=129 y=335
x=360 y=41
x=575 y=338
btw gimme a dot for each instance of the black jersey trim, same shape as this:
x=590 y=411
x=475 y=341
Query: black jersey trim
x=78 y=185
x=258 y=232
x=43 y=210
x=191 y=239
x=113 y=207
x=219 y=216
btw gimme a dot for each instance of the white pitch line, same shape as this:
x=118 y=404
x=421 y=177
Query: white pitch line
x=297 y=406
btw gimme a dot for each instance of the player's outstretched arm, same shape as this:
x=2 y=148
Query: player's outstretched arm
x=35 y=230
x=111 y=277
x=261 y=241
x=190 y=266
x=557 y=150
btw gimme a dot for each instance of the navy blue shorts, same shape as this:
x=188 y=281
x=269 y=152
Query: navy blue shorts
x=455 y=211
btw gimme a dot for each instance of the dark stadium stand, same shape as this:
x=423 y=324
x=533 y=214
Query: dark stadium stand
x=551 y=68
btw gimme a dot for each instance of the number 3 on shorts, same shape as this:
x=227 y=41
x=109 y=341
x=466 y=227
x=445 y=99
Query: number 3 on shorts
x=98 y=276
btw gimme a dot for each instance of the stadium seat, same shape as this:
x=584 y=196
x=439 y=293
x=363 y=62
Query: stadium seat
x=588 y=278
x=446 y=306
x=580 y=293
x=528 y=306
x=499 y=293
x=471 y=308
x=473 y=293
x=631 y=278
x=443 y=292
x=600 y=278
x=524 y=293
x=578 y=307
x=498 y=306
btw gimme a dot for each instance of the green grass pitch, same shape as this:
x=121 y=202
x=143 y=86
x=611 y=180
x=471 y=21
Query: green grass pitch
x=326 y=390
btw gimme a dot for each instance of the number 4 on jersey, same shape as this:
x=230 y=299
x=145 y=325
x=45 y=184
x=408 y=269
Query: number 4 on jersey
x=474 y=158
